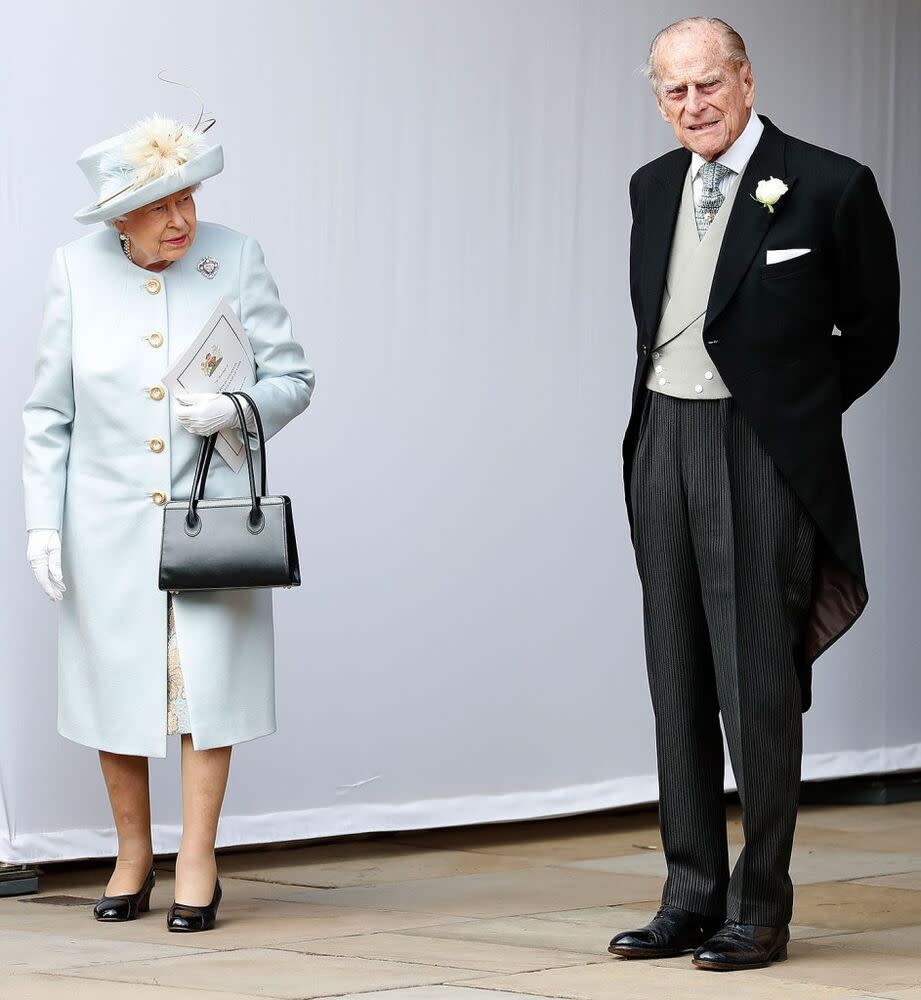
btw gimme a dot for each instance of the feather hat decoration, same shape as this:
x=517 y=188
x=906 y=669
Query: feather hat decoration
x=155 y=158
x=156 y=147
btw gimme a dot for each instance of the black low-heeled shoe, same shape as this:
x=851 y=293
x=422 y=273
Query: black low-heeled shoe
x=127 y=906
x=182 y=917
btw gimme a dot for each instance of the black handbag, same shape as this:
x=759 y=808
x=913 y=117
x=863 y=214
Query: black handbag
x=229 y=544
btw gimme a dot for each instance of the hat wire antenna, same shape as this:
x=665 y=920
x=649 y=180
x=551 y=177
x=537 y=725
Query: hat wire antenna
x=203 y=124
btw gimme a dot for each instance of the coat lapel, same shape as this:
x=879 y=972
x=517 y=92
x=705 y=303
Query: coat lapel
x=749 y=221
x=663 y=199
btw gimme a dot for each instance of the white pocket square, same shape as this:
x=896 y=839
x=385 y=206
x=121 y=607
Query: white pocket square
x=776 y=256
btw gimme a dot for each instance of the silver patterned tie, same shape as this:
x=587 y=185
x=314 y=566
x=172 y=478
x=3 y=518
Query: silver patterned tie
x=711 y=197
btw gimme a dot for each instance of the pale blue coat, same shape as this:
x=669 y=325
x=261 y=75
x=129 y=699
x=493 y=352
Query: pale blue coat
x=88 y=471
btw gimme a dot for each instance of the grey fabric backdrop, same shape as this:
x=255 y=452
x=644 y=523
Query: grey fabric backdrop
x=440 y=188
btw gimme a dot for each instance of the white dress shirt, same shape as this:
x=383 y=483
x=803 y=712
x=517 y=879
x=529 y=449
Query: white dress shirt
x=736 y=158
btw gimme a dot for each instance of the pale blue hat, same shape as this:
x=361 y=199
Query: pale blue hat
x=154 y=159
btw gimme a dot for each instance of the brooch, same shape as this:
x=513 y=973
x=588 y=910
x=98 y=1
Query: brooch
x=208 y=266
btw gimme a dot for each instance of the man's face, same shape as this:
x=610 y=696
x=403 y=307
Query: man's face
x=705 y=97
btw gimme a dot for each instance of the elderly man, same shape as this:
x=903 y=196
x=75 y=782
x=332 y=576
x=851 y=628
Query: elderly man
x=737 y=483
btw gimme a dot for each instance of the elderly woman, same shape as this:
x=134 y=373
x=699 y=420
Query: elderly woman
x=105 y=449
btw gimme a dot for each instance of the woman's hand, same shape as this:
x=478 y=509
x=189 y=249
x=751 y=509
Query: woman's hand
x=44 y=555
x=204 y=413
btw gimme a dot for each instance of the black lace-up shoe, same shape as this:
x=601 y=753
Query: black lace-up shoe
x=671 y=932
x=742 y=946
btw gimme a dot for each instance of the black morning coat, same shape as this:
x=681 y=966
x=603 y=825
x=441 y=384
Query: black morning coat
x=769 y=331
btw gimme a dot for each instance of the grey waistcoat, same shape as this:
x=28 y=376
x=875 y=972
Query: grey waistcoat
x=680 y=365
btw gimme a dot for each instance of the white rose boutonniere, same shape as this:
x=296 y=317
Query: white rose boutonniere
x=769 y=192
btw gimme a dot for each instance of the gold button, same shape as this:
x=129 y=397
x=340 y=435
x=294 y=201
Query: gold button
x=158 y=498
x=156 y=392
x=152 y=285
x=156 y=445
x=155 y=339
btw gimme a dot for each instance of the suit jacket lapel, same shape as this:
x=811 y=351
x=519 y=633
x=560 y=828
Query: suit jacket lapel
x=662 y=200
x=749 y=221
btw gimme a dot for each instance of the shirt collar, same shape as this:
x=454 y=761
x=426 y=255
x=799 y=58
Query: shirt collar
x=739 y=153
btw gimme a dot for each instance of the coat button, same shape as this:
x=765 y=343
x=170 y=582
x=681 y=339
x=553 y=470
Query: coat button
x=158 y=498
x=658 y=369
x=152 y=285
x=156 y=392
x=156 y=445
x=155 y=339
x=708 y=375
x=644 y=348
x=661 y=381
x=698 y=388
x=656 y=355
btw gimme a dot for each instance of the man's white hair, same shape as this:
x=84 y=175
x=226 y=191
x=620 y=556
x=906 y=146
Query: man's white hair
x=732 y=43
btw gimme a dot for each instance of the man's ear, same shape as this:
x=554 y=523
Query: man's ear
x=748 y=84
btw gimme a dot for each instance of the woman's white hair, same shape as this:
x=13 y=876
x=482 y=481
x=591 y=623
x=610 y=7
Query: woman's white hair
x=121 y=218
x=733 y=44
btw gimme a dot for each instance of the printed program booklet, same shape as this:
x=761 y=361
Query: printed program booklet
x=220 y=359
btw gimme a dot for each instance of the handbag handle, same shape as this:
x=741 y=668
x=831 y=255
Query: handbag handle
x=256 y=520
x=260 y=433
x=203 y=464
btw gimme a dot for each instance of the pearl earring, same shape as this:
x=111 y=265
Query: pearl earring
x=126 y=245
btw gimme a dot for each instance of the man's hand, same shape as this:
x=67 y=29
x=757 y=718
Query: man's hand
x=44 y=555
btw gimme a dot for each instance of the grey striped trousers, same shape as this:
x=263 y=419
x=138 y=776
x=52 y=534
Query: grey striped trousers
x=725 y=552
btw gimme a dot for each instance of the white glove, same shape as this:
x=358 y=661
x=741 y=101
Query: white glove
x=44 y=555
x=206 y=413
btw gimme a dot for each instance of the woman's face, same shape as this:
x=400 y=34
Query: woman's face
x=162 y=231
